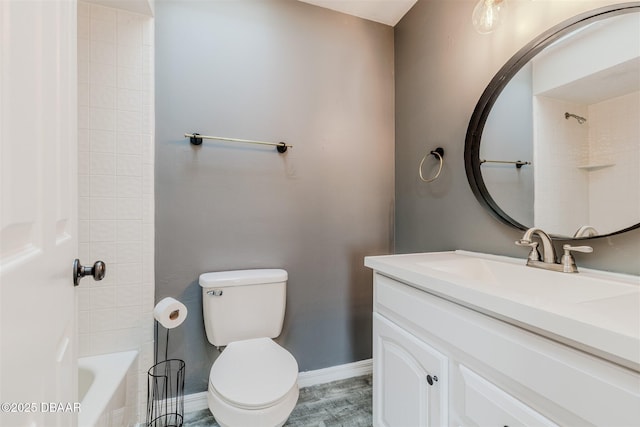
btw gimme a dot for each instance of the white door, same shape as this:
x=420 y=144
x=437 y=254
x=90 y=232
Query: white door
x=38 y=211
x=409 y=379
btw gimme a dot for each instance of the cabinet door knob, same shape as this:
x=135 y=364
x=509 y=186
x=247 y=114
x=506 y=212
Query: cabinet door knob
x=432 y=379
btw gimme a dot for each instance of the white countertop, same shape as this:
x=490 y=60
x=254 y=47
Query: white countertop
x=595 y=311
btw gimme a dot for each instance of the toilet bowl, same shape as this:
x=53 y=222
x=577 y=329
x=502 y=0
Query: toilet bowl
x=253 y=383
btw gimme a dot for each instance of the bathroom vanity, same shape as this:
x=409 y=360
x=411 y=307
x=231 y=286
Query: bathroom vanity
x=468 y=339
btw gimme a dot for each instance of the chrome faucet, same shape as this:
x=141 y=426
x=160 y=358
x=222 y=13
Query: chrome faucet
x=549 y=260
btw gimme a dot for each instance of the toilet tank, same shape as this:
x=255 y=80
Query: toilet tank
x=243 y=304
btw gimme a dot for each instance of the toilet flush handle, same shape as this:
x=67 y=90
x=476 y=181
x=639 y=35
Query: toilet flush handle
x=215 y=292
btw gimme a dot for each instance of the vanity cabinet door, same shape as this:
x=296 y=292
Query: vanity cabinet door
x=487 y=405
x=409 y=379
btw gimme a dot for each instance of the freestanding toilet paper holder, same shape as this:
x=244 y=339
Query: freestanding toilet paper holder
x=165 y=384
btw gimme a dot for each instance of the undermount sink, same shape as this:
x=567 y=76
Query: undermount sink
x=510 y=278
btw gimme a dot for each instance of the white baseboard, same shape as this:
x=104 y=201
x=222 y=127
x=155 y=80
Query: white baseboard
x=335 y=373
x=198 y=401
x=195 y=402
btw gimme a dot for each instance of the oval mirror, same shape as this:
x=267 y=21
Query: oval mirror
x=554 y=141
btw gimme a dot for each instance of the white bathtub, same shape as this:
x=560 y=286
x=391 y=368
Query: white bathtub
x=103 y=392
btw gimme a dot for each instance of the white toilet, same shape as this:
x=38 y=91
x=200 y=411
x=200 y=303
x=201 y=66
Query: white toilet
x=254 y=381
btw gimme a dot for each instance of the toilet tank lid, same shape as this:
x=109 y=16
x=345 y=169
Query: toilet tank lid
x=221 y=279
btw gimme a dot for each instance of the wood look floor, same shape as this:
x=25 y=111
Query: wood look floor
x=345 y=403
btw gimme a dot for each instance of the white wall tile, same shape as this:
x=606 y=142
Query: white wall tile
x=148 y=297
x=102 y=74
x=148 y=82
x=128 y=296
x=147 y=179
x=83 y=11
x=129 y=165
x=148 y=154
x=103 y=208
x=130 y=121
x=148 y=32
x=103 y=13
x=103 y=320
x=83 y=27
x=129 y=29
x=147 y=269
x=83 y=322
x=148 y=121
x=129 y=186
x=129 y=208
x=84 y=251
x=129 y=100
x=83 y=94
x=103 y=186
x=129 y=252
x=103 y=163
x=84 y=345
x=102 y=141
x=103 y=298
x=105 y=251
x=128 y=317
x=147 y=97
x=129 y=274
x=84 y=186
x=130 y=143
x=130 y=56
x=84 y=208
x=83 y=60
x=148 y=236
x=103 y=30
x=103 y=231
x=102 y=96
x=84 y=163
x=102 y=52
x=129 y=78
x=84 y=231
x=146 y=331
x=148 y=209
x=102 y=118
x=83 y=140
x=147 y=59
x=129 y=231
x=83 y=117
x=104 y=342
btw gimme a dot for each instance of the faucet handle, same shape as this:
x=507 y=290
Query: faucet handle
x=534 y=255
x=568 y=262
x=584 y=249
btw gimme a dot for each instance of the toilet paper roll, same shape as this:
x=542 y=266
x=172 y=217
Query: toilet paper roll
x=170 y=312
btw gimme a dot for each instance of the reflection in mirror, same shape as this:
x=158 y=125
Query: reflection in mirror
x=561 y=144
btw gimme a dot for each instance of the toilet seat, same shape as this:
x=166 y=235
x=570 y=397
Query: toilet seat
x=254 y=374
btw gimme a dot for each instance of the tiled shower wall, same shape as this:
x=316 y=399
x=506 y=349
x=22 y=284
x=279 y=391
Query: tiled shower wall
x=613 y=140
x=595 y=161
x=116 y=186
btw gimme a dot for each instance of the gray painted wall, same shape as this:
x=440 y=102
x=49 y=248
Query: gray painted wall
x=276 y=71
x=442 y=67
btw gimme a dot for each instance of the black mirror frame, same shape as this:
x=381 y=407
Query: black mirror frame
x=495 y=87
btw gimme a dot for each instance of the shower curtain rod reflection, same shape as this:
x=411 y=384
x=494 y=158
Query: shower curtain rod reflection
x=196 y=139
